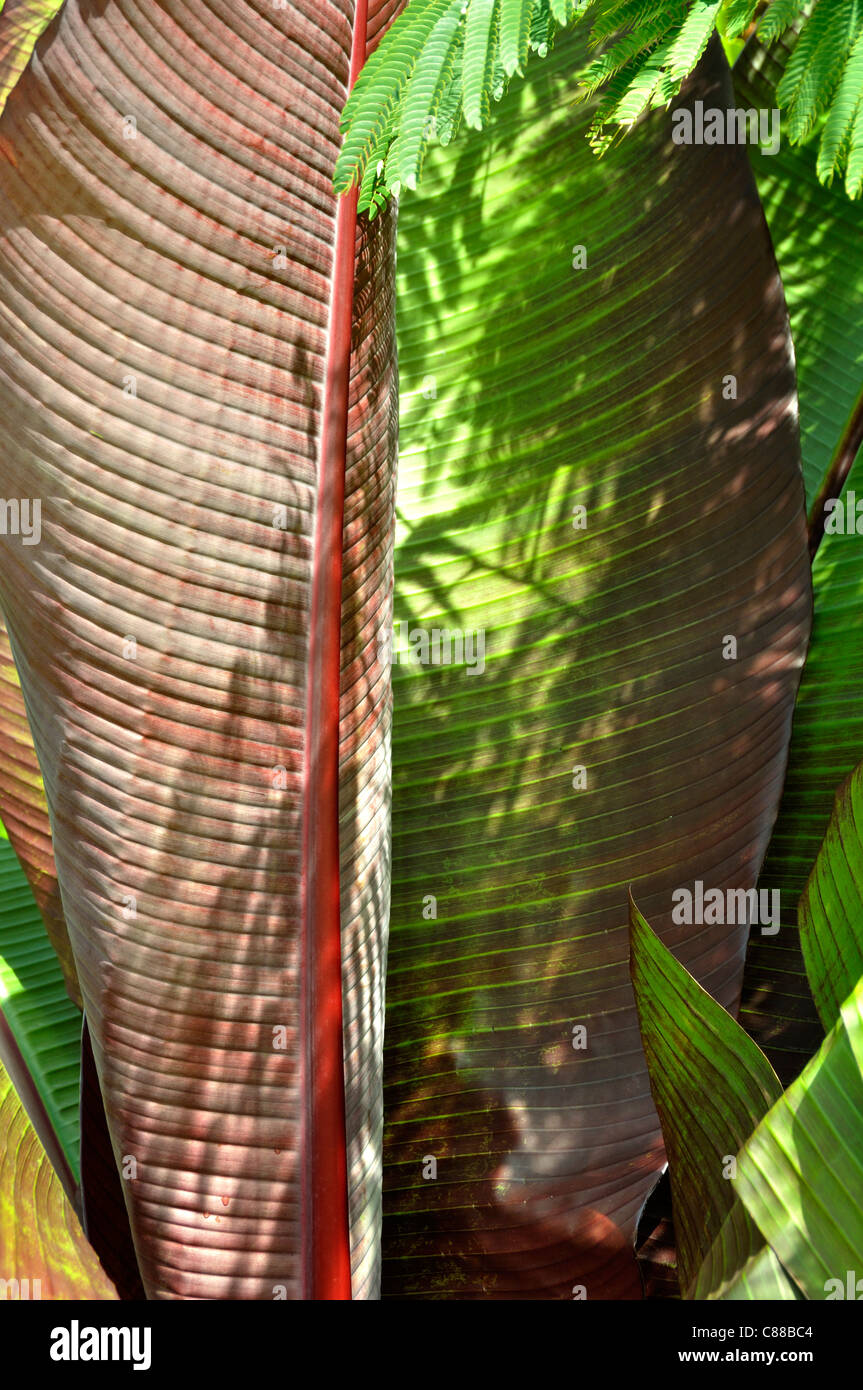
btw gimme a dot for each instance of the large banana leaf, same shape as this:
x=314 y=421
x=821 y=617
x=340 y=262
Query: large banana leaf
x=818 y=236
x=43 y=1251
x=199 y=357
x=519 y=1149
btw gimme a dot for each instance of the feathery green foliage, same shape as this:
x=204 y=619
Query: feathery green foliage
x=440 y=60
x=651 y=48
x=446 y=58
x=652 y=59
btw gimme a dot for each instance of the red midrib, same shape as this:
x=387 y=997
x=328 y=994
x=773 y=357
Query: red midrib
x=325 y=1227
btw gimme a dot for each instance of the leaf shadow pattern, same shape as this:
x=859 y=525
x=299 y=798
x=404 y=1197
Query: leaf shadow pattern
x=609 y=740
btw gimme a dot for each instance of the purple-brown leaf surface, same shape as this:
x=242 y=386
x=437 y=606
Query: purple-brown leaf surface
x=198 y=355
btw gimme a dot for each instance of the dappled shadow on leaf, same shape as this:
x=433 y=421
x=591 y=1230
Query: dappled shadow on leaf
x=532 y=387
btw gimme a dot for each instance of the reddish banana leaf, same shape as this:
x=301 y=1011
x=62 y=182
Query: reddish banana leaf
x=43 y=1251
x=538 y=378
x=199 y=360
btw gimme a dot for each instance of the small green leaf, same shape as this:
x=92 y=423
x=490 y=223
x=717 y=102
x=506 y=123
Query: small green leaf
x=379 y=89
x=839 y=125
x=800 y=1175
x=515 y=17
x=424 y=94
x=711 y=1085
x=736 y=16
x=479 y=55
x=440 y=58
x=831 y=906
x=778 y=17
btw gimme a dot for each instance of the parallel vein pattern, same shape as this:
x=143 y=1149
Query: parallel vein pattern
x=536 y=380
x=166 y=279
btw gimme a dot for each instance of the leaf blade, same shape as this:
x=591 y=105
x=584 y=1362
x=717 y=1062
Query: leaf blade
x=480 y=43
x=185 y=766
x=711 y=1084
x=41 y=1239
x=830 y=912
x=800 y=1175
x=528 y=874
x=44 y=1023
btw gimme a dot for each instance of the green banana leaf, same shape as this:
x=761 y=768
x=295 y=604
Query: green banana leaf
x=817 y=234
x=25 y=811
x=831 y=906
x=759 y=1278
x=565 y=328
x=42 y=1020
x=800 y=1175
x=43 y=1251
x=711 y=1085
x=797 y=1180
